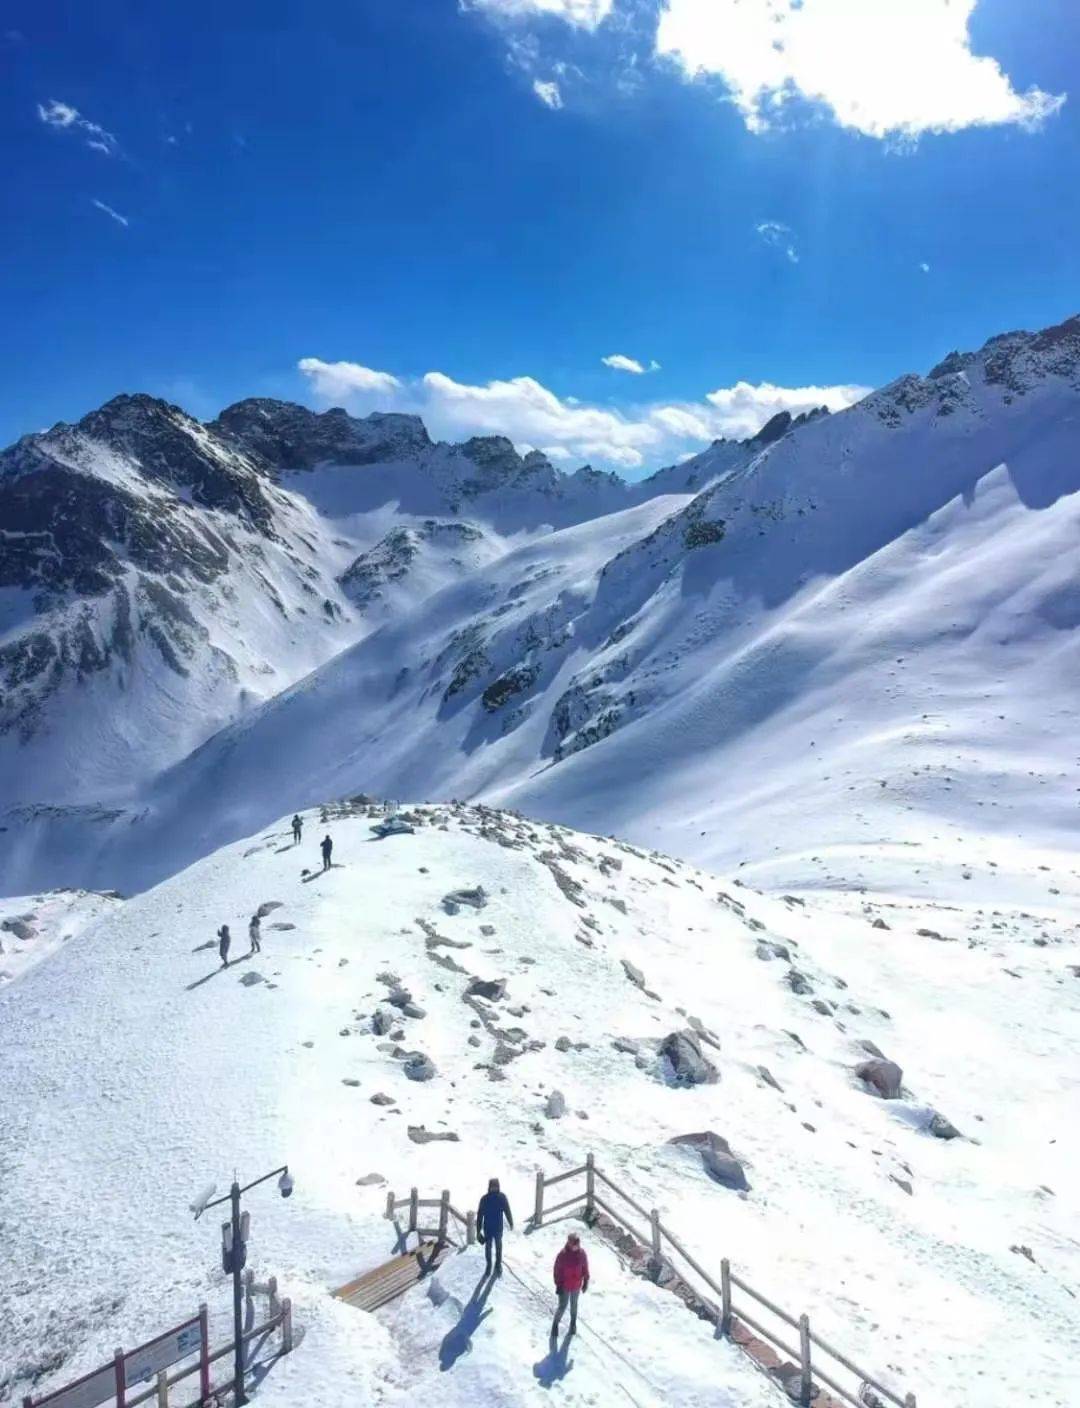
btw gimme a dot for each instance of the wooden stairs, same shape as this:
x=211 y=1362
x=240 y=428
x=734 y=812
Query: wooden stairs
x=385 y=1283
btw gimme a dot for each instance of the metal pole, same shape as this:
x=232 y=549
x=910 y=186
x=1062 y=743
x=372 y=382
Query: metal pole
x=538 y=1206
x=805 y=1382
x=204 y=1356
x=121 y=1378
x=654 y=1231
x=414 y=1208
x=239 y=1396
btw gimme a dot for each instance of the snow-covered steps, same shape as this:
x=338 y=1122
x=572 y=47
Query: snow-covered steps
x=385 y=1283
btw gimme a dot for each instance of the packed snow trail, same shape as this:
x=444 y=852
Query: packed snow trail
x=467 y=1338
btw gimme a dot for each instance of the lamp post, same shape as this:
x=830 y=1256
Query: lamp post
x=234 y=1255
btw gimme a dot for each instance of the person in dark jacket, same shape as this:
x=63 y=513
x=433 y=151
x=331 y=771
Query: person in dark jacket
x=327 y=852
x=491 y=1213
x=571 y=1278
x=297 y=828
x=255 y=933
x=224 y=940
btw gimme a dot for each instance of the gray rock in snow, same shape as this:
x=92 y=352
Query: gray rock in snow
x=20 y=928
x=419 y=1135
x=473 y=898
x=884 y=1077
x=941 y=1128
x=563 y=1044
x=555 y=1105
x=410 y=1009
x=419 y=1067
x=716 y=1158
x=688 y=1065
x=492 y=989
x=636 y=976
x=381 y=1021
x=399 y=997
x=380 y=1099
x=768 y=1077
x=370 y=1180
x=798 y=983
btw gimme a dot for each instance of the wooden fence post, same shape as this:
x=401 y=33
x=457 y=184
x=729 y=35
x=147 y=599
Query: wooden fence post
x=470 y=1228
x=444 y=1216
x=275 y=1303
x=389 y=1214
x=204 y=1354
x=654 y=1229
x=286 y=1325
x=805 y=1382
x=162 y=1389
x=538 y=1206
x=590 y=1187
x=725 y=1297
x=414 y=1209
x=909 y=1400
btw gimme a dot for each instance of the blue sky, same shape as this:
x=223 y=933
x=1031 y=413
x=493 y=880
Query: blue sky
x=463 y=208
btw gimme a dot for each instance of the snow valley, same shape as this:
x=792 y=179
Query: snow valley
x=755 y=782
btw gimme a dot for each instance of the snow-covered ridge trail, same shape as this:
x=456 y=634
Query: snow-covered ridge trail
x=941 y=1252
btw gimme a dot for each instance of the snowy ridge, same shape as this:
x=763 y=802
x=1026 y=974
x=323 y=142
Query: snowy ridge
x=942 y=1260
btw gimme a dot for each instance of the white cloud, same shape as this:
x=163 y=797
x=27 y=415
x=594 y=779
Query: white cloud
x=341 y=381
x=883 y=67
x=586 y=14
x=743 y=409
x=925 y=267
x=65 y=118
x=111 y=213
x=548 y=93
x=780 y=237
x=618 y=363
x=566 y=429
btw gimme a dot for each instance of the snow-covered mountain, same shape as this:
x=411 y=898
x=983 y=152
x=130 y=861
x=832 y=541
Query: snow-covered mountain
x=939 y=1253
x=158 y=577
x=863 y=617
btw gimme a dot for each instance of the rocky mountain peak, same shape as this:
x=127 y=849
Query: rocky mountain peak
x=287 y=436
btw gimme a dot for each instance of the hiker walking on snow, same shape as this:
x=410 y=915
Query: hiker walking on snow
x=490 y=1214
x=297 y=829
x=571 y=1278
x=224 y=940
x=255 y=933
x=327 y=852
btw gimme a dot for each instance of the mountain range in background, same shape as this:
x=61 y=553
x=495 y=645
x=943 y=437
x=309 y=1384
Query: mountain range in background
x=891 y=590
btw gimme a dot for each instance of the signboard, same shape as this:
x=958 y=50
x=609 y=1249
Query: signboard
x=143 y=1363
x=108 y=1383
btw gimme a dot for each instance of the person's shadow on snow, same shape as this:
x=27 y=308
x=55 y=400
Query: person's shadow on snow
x=459 y=1339
x=555 y=1365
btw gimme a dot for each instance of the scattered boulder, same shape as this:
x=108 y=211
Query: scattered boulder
x=399 y=997
x=884 y=1077
x=473 y=898
x=717 y=1159
x=419 y=1067
x=636 y=976
x=903 y=1183
x=699 y=1027
x=555 y=1105
x=370 y=1180
x=380 y=1099
x=688 y=1065
x=410 y=1009
x=419 y=1135
x=563 y=1044
x=251 y=978
x=350 y=1080
x=20 y=928
x=393 y=826
x=798 y=983
x=491 y=989
x=768 y=1077
x=879 y=924
x=941 y=1128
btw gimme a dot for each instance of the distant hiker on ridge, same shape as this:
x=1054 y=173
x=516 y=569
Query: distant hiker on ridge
x=571 y=1278
x=297 y=829
x=327 y=852
x=255 y=933
x=224 y=940
x=493 y=1208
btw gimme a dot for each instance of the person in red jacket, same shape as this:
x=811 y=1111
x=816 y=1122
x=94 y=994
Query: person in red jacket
x=571 y=1278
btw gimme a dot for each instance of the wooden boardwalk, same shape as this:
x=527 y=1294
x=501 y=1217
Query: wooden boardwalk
x=385 y=1283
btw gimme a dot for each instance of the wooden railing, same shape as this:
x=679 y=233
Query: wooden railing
x=414 y=1203
x=657 y=1237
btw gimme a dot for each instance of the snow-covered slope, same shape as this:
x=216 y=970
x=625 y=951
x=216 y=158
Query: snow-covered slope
x=136 y=1071
x=869 y=620
x=158 y=577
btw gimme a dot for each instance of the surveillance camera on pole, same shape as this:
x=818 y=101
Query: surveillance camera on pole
x=285 y=1184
